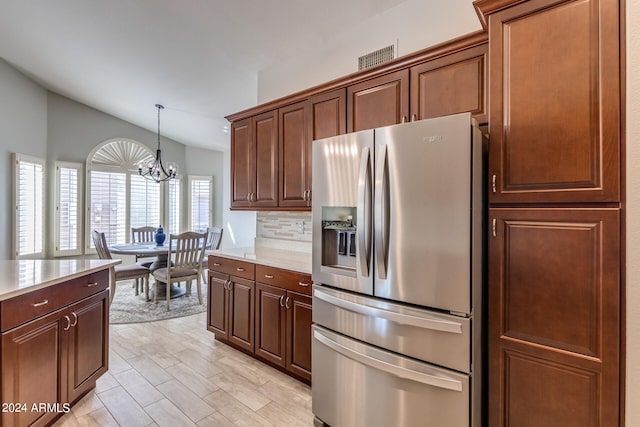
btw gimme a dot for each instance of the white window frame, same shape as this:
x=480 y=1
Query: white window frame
x=190 y=180
x=57 y=252
x=16 y=160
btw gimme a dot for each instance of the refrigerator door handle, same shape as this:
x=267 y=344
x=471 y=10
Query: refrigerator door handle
x=439 y=381
x=363 y=211
x=402 y=319
x=381 y=214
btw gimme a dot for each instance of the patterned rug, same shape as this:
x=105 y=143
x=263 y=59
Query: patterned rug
x=129 y=308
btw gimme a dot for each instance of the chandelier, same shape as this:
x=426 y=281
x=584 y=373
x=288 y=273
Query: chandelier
x=155 y=170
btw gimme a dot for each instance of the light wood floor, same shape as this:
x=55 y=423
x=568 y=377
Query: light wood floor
x=173 y=373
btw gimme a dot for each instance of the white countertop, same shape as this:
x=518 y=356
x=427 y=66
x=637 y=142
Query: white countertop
x=279 y=258
x=19 y=277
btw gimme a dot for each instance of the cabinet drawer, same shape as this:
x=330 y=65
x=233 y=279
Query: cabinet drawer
x=233 y=267
x=287 y=279
x=24 y=308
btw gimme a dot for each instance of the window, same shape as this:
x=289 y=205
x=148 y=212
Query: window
x=28 y=197
x=68 y=209
x=118 y=198
x=145 y=202
x=173 y=201
x=200 y=195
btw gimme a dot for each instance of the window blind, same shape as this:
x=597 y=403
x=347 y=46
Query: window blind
x=145 y=202
x=29 y=197
x=200 y=206
x=67 y=209
x=174 y=206
x=108 y=206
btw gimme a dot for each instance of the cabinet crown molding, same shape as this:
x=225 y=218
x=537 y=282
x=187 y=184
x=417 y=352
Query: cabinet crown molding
x=484 y=8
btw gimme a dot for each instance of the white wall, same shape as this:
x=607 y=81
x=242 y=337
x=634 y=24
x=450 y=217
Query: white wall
x=411 y=23
x=633 y=214
x=23 y=129
x=209 y=163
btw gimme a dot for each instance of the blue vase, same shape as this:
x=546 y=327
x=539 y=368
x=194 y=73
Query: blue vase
x=160 y=236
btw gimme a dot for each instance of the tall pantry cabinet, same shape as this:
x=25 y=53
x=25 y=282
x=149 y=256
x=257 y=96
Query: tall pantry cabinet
x=554 y=293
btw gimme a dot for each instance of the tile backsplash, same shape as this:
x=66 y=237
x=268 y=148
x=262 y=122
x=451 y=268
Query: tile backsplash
x=284 y=225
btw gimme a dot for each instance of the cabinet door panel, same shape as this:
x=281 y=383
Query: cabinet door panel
x=270 y=323
x=266 y=159
x=378 y=102
x=554 y=304
x=327 y=114
x=217 y=305
x=241 y=311
x=242 y=163
x=88 y=344
x=299 y=334
x=555 y=102
x=294 y=152
x=450 y=85
x=31 y=356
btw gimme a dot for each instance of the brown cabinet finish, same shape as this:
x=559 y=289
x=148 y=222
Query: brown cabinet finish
x=378 y=102
x=554 y=316
x=295 y=156
x=55 y=358
x=271 y=323
x=555 y=102
x=299 y=334
x=230 y=310
x=327 y=114
x=254 y=183
x=452 y=84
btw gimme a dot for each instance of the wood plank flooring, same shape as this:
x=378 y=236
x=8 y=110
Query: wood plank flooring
x=173 y=373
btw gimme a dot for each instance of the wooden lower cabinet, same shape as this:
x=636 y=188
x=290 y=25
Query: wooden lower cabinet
x=231 y=309
x=554 y=317
x=270 y=321
x=283 y=329
x=53 y=360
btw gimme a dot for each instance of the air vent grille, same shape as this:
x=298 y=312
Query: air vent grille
x=376 y=57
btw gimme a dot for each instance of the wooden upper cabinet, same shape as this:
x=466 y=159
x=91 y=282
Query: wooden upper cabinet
x=554 y=317
x=242 y=163
x=327 y=114
x=295 y=156
x=381 y=101
x=555 y=102
x=451 y=84
x=254 y=160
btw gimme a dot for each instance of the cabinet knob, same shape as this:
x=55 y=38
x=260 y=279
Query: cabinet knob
x=91 y=285
x=303 y=284
x=268 y=276
x=216 y=264
x=239 y=269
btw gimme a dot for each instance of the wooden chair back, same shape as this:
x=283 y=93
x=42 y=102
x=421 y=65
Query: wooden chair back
x=100 y=242
x=187 y=250
x=214 y=237
x=142 y=234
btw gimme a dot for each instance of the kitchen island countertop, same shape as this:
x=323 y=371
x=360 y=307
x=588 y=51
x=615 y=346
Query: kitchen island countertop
x=23 y=276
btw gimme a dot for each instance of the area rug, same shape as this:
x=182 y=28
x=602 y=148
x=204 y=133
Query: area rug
x=127 y=307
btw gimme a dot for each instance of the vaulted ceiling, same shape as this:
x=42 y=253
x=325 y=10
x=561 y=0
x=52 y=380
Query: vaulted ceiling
x=201 y=59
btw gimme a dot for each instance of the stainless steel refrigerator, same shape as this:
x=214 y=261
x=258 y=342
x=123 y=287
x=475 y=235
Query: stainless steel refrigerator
x=398 y=279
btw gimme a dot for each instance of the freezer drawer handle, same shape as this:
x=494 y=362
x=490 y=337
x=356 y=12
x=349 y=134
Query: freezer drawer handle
x=398 y=371
x=402 y=319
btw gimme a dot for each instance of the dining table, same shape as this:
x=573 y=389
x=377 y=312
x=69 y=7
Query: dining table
x=161 y=254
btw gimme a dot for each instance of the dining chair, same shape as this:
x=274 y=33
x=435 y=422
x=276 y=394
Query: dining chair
x=120 y=272
x=144 y=234
x=186 y=251
x=214 y=237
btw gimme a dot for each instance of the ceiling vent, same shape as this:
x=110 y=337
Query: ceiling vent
x=376 y=57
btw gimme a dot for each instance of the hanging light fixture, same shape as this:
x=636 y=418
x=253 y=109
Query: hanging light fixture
x=155 y=170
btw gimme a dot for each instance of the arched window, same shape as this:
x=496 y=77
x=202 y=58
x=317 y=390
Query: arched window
x=117 y=197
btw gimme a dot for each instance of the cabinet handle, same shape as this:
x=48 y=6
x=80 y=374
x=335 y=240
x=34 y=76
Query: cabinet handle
x=304 y=285
x=308 y=195
x=66 y=328
x=404 y=119
x=281 y=300
x=269 y=276
x=253 y=197
x=75 y=319
x=239 y=269
x=286 y=303
x=216 y=264
x=414 y=117
x=40 y=304
x=91 y=285
x=494 y=232
x=493 y=183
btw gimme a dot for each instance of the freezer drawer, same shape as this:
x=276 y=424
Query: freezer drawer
x=426 y=335
x=355 y=384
